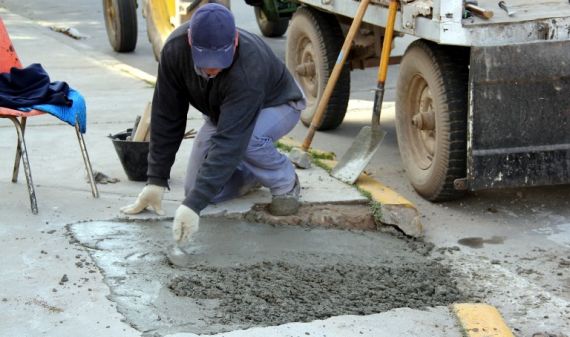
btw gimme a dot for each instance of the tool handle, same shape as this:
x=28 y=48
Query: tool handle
x=480 y=11
x=324 y=101
x=384 y=61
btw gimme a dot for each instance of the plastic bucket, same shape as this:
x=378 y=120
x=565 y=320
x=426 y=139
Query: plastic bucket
x=133 y=155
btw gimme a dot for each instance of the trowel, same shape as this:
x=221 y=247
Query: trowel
x=181 y=255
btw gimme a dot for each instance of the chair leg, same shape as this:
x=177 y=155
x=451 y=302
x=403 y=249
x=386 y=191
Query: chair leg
x=18 y=152
x=87 y=162
x=23 y=154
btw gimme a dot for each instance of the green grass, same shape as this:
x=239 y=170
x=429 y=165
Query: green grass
x=283 y=147
x=322 y=165
x=375 y=206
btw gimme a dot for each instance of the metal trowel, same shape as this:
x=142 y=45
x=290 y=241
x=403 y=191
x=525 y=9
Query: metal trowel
x=181 y=255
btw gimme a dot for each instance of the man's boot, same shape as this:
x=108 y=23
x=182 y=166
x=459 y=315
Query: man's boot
x=288 y=203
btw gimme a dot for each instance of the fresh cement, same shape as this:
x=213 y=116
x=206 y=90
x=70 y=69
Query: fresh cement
x=240 y=275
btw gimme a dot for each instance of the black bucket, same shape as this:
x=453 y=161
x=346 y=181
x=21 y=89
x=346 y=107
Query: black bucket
x=133 y=155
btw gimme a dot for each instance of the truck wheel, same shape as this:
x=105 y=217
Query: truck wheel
x=270 y=28
x=431 y=117
x=313 y=44
x=121 y=24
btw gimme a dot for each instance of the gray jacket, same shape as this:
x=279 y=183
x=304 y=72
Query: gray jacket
x=232 y=101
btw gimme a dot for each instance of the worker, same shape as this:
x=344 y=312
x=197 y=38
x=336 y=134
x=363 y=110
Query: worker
x=248 y=99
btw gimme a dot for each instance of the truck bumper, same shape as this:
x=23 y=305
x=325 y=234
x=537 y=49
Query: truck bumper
x=519 y=115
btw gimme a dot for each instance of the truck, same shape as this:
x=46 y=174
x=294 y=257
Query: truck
x=482 y=95
x=163 y=16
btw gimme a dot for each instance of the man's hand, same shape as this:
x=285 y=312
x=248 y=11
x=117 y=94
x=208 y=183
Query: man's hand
x=186 y=223
x=150 y=198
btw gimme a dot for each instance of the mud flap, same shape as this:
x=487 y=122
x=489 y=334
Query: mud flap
x=519 y=115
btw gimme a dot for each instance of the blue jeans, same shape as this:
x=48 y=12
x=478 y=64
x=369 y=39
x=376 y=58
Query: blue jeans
x=262 y=163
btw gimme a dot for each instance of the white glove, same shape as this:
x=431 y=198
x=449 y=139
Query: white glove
x=186 y=223
x=150 y=198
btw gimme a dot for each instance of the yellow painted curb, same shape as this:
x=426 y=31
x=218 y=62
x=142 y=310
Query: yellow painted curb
x=393 y=209
x=481 y=320
x=379 y=192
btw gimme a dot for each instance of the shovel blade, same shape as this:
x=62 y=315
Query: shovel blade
x=359 y=154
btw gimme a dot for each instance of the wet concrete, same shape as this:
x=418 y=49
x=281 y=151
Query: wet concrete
x=240 y=275
x=479 y=242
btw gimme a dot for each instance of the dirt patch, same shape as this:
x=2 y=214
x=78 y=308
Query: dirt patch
x=274 y=293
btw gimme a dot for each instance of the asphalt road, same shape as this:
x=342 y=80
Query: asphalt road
x=523 y=229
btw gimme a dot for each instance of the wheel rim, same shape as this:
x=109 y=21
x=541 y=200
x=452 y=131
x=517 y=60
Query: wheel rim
x=262 y=17
x=306 y=69
x=111 y=16
x=422 y=125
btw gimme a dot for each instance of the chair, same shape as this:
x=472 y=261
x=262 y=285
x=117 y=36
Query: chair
x=9 y=59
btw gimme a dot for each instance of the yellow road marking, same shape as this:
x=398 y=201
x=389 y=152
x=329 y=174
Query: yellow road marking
x=481 y=320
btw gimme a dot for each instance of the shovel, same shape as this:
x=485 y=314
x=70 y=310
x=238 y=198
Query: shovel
x=300 y=157
x=369 y=138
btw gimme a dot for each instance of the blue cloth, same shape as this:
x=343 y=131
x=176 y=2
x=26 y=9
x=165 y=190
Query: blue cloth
x=69 y=114
x=31 y=85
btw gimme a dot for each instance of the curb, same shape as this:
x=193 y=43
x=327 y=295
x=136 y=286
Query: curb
x=481 y=320
x=393 y=209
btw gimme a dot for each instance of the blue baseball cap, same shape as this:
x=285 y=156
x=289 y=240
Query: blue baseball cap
x=211 y=34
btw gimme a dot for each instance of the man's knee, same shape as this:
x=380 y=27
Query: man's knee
x=262 y=151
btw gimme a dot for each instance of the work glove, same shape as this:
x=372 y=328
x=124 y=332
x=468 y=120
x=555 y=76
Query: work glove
x=150 y=198
x=186 y=223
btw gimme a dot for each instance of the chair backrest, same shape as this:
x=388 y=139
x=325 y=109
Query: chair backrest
x=8 y=56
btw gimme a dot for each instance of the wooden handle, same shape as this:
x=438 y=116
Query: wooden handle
x=387 y=43
x=141 y=133
x=384 y=61
x=341 y=60
x=480 y=11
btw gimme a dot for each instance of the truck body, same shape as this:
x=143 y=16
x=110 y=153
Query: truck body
x=482 y=101
x=483 y=93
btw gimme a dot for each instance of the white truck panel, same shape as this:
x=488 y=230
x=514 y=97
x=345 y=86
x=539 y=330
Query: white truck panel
x=442 y=21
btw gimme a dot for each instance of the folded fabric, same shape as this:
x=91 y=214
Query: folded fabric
x=69 y=114
x=24 y=87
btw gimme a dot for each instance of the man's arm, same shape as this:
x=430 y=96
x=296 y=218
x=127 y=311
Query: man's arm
x=168 y=118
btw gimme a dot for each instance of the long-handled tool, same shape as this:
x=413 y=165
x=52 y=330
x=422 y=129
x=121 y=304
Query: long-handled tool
x=369 y=138
x=474 y=8
x=300 y=157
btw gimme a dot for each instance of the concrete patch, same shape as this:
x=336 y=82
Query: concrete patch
x=241 y=275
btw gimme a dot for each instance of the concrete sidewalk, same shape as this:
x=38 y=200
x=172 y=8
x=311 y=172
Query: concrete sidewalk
x=42 y=290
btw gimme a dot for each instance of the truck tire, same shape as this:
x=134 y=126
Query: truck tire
x=313 y=44
x=121 y=24
x=431 y=117
x=270 y=28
